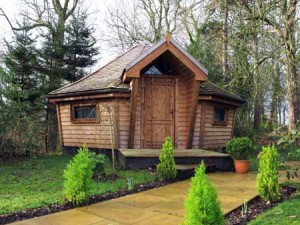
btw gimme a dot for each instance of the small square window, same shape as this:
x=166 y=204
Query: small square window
x=84 y=113
x=220 y=115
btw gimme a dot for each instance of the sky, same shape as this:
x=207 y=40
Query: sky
x=99 y=12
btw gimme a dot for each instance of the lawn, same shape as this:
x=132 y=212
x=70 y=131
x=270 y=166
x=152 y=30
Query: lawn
x=37 y=182
x=286 y=213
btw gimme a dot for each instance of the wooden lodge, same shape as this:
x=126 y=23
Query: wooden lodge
x=142 y=96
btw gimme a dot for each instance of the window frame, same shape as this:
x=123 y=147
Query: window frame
x=82 y=120
x=220 y=123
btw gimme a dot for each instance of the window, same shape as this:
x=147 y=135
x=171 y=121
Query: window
x=153 y=71
x=84 y=113
x=220 y=115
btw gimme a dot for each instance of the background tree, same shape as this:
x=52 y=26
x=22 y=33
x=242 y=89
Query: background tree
x=80 y=50
x=19 y=128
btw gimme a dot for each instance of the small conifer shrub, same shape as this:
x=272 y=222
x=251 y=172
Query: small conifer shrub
x=201 y=205
x=166 y=169
x=78 y=176
x=267 y=179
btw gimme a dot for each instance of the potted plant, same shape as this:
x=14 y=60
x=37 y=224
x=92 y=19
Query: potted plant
x=239 y=149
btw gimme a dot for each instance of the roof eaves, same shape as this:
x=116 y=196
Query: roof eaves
x=89 y=92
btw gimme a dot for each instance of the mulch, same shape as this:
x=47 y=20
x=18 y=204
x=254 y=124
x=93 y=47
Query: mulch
x=53 y=208
x=257 y=206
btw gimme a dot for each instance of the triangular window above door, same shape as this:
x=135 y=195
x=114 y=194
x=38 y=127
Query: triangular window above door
x=153 y=70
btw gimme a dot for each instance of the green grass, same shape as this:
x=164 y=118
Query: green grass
x=37 y=182
x=286 y=213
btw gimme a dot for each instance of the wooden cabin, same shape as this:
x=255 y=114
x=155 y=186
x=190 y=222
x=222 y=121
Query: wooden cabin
x=142 y=96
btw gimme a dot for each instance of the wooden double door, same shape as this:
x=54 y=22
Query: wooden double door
x=158 y=110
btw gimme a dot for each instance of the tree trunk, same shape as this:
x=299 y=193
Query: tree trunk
x=225 y=41
x=289 y=12
x=258 y=98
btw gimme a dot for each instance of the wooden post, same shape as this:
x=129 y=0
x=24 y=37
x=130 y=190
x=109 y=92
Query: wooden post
x=193 y=114
x=61 y=140
x=202 y=124
x=134 y=93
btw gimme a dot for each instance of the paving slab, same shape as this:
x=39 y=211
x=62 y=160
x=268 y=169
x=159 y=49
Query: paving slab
x=118 y=212
x=164 y=205
x=70 y=217
x=162 y=219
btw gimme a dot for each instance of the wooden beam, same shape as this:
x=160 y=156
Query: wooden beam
x=116 y=124
x=193 y=113
x=233 y=121
x=202 y=124
x=87 y=97
x=134 y=93
x=61 y=140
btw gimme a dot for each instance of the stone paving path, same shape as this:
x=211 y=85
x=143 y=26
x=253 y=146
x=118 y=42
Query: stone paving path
x=162 y=206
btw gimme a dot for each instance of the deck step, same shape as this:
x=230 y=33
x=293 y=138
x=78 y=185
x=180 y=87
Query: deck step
x=146 y=158
x=185 y=171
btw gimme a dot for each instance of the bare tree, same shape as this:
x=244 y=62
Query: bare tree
x=140 y=20
x=282 y=17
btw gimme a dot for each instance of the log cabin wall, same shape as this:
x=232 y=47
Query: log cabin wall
x=207 y=135
x=184 y=105
x=96 y=134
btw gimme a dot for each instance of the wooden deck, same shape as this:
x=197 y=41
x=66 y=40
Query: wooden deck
x=145 y=158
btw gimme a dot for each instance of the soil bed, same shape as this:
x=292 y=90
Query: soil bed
x=53 y=208
x=257 y=206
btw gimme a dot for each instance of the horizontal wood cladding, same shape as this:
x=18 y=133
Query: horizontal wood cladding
x=209 y=135
x=97 y=134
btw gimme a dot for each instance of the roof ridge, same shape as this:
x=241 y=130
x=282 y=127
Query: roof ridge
x=223 y=89
x=93 y=73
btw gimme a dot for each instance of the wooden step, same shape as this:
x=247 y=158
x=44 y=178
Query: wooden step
x=185 y=171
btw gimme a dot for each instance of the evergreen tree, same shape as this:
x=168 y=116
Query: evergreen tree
x=201 y=205
x=20 y=124
x=21 y=79
x=79 y=47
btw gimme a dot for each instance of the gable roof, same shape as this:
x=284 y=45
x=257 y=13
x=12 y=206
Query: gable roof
x=157 y=45
x=132 y=70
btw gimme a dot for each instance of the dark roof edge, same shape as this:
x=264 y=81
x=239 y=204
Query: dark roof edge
x=89 y=92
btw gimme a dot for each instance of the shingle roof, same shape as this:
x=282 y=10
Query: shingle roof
x=209 y=89
x=107 y=77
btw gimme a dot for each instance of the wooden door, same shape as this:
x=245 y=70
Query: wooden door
x=158 y=111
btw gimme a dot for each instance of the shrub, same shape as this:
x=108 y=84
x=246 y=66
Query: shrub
x=99 y=162
x=239 y=148
x=267 y=178
x=201 y=204
x=99 y=165
x=294 y=154
x=166 y=169
x=78 y=176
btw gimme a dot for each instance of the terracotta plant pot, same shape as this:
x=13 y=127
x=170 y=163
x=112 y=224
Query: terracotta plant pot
x=241 y=166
